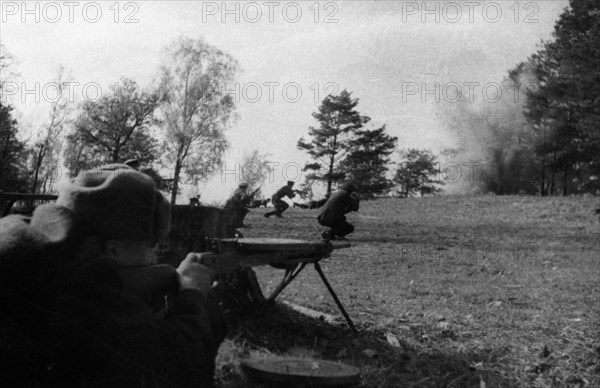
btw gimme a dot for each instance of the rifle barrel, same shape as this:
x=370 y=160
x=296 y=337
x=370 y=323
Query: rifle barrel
x=340 y=244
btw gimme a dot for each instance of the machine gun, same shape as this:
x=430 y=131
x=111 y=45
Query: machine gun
x=232 y=255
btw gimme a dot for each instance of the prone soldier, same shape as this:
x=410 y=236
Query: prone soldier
x=70 y=317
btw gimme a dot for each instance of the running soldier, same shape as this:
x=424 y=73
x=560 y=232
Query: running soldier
x=278 y=202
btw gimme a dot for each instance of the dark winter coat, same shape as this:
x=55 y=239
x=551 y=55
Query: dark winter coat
x=68 y=323
x=340 y=203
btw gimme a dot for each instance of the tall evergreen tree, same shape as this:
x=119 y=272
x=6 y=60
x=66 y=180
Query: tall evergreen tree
x=566 y=105
x=331 y=141
x=13 y=156
x=366 y=163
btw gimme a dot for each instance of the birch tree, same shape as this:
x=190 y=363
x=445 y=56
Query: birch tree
x=194 y=110
x=45 y=152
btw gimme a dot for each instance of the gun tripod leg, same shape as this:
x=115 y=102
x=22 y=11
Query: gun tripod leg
x=290 y=275
x=335 y=298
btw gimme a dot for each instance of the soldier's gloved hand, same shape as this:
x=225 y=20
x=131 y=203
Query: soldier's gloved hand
x=193 y=275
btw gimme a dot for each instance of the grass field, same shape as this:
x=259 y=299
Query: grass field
x=481 y=291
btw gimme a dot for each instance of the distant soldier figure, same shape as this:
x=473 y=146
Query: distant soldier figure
x=333 y=213
x=237 y=205
x=278 y=202
x=195 y=201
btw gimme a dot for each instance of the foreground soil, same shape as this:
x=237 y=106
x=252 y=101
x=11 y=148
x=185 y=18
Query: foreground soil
x=445 y=291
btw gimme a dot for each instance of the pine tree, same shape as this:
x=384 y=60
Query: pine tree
x=565 y=108
x=13 y=176
x=366 y=164
x=331 y=140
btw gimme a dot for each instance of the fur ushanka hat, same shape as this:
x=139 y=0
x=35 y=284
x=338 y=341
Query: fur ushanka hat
x=118 y=202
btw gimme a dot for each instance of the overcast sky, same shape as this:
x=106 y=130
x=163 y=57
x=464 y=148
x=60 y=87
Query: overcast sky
x=292 y=54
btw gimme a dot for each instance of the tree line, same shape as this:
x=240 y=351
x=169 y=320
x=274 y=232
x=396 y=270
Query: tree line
x=191 y=114
x=547 y=143
x=563 y=109
x=186 y=106
x=543 y=136
x=342 y=149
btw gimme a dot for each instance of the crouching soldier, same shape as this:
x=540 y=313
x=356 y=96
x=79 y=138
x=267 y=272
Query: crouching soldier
x=333 y=213
x=70 y=317
x=237 y=203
